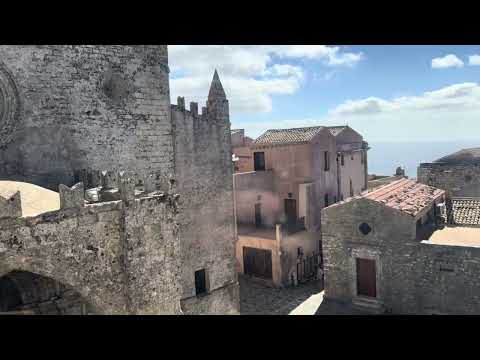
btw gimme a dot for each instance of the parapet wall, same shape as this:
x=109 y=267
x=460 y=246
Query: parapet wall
x=448 y=280
x=109 y=252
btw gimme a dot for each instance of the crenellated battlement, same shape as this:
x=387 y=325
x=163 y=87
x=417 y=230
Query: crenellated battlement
x=71 y=197
x=192 y=111
x=111 y=186
x=109 y=179
x=216 y=106
x=11 y=207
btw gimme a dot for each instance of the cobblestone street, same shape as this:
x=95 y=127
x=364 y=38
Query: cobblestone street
x=259 y=299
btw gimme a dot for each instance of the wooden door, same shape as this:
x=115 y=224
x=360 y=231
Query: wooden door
x=366 y=278
x=291 y=212
x=257 y=262
x=258 y=215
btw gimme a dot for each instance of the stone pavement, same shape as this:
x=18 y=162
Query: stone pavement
x=259 y=299
x=256 y=298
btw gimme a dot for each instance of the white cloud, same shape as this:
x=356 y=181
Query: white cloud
x=447 y=61
x=474 y=60
x=446 y=114
x=457 y=96
x=251 y=74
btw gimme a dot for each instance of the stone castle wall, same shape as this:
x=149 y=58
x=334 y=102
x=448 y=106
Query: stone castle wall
x=203 y=168
x=83 y=107
x=69 y=112
x=109 y=252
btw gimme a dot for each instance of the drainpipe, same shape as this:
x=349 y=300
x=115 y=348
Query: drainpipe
x=338 y=179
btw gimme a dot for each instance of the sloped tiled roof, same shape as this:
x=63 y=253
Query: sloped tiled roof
x=405 y=195
x=466 y=211
x=288 y=136
x=464 y=156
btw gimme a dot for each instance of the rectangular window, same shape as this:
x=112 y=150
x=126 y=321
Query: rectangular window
x=342 y=160
x=200 y=282
x=258 y=215
x=259 y=161
x=326 y=160
x=351 y=188
x=299 y=252
x=326 y=200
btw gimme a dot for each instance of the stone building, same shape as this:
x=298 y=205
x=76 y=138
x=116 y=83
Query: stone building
x=296 y=172
x=145 y=221
x=457 y=173
x=243 y=158
x=381 y=180
x=390 y=250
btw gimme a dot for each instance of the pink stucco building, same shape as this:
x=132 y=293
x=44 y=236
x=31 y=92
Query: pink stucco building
x=291 y=175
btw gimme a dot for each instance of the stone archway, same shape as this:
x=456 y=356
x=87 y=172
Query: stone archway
x=23 y=292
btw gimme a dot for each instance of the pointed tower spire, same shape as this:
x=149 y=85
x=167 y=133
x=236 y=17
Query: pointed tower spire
x=216 y=88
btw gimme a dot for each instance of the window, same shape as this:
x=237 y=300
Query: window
x=351 y=188
x=364 y=228
x=258 y=215
x=326 y=160
x=299 y=251
x=200 y=282
x=342 y=160
x=326 y=200
x=259 y=161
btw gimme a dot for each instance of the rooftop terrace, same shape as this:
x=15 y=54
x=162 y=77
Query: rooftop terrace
x=456 y=236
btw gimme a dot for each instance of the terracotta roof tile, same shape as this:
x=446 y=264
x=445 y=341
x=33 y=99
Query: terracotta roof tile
x=405 y=195
x=466 y=211
x=288 y=136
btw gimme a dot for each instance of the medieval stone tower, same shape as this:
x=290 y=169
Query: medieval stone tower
x=161 y=224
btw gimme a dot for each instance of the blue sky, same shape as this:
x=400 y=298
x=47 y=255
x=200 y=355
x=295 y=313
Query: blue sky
x=387 y=93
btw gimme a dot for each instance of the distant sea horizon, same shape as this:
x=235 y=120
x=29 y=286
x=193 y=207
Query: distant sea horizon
x=385 y=157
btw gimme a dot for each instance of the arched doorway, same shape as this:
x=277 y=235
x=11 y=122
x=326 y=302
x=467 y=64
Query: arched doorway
x=23 y=292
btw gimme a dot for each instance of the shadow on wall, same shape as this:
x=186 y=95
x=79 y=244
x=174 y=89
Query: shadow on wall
x=23 y=292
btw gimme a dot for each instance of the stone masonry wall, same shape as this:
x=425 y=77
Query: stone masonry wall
x=121 y=256
x=413 y=277
x=203 y=168
x=83 y=107
x=457 y=180
x=448 y=280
